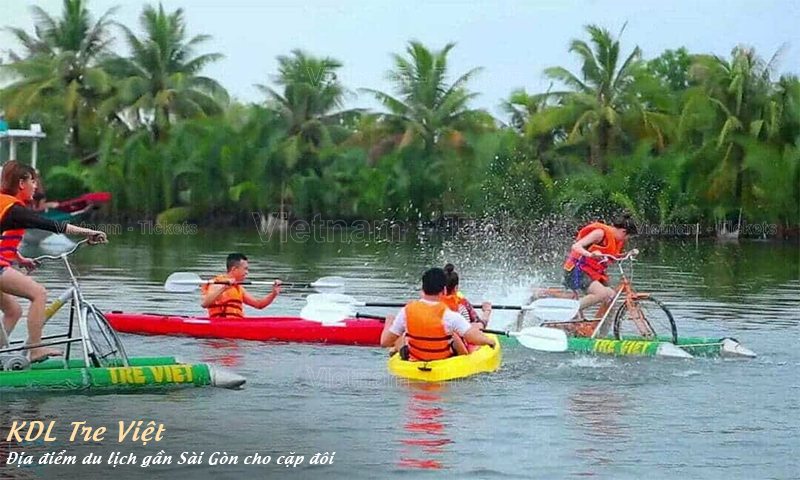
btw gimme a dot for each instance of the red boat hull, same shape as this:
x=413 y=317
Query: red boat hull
x=277 y=329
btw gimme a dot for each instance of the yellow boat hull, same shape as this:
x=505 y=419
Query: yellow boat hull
x=484 y=359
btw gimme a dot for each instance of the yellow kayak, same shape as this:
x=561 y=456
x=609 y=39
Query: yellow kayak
x=484 y=359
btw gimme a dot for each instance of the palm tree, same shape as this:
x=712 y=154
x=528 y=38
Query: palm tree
x=738 y=97
x=60 y=66
x=426 y=106
x=311 y=100
x=161 y=80
x=602 y=98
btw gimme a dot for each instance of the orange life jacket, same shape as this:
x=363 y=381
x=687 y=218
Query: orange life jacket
x=455 y=301
x=9 y=239
x=425 y=333
x=593 y=266
x=229 y=303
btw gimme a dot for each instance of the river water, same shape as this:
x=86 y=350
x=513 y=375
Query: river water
x=541 y=416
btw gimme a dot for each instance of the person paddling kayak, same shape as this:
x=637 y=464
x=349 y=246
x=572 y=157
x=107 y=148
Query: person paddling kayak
x=432 y=331
x=229 y=300
x=456 y=301
x=17 y=187
x=585 y=267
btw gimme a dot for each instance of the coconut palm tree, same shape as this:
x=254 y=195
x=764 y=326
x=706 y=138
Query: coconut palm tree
x=161 y=79
x=60 y=67
x=310 y=104
x=426 y=107
x=602 y=99
x=737 y=97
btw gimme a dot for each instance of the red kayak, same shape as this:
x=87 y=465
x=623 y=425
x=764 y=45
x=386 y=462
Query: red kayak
x=278 y=329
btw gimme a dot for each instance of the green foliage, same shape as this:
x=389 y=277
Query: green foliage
x=679 y=138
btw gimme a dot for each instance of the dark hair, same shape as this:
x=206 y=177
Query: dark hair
x=434 y=281
x=452 y=278
x=234 y=259
x=13 y=172
x=625 y=222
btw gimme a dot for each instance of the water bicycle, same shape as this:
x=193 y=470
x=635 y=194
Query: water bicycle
x=641 y=325
x=101 y=362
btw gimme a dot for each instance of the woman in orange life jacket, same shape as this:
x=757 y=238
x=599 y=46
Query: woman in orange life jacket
x=456 y=302
x=430 y=327
x=229 y=300
x=16 y=190
x=585 y=267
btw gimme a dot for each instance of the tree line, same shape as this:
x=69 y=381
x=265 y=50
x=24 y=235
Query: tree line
x=681 y=138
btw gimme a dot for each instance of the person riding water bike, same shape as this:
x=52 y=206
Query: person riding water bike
x=229 y=300
x=456 y=301
x=586 y=264
x=17 y=187
x=432 y=331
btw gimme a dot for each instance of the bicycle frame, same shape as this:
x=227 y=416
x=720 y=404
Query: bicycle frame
x=625 y=288
x=78 y=309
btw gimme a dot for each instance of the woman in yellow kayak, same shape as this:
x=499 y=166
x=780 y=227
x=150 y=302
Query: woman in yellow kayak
x=456 y=301
x=229 y=300
x=432 y=331
x=17 y=187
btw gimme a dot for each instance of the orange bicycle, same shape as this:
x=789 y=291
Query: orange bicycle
x=635 y=314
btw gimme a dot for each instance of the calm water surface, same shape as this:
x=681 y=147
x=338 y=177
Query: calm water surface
x=540 y=416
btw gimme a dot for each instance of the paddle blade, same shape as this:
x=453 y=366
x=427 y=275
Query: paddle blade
x=332 y=298
x=182 y=282
x=329 y=285
x=542 y=338
x=554 y=309
x=326 y=314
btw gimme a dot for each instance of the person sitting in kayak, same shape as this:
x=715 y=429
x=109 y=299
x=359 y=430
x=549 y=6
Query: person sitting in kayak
x=456 y=301
x=432 y=331
x=229 y=300
x=17 y=186
x=585 y=267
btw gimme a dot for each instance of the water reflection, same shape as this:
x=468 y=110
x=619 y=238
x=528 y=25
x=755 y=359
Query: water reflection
x=601 y=416
x=222 y=351
x=426 y=427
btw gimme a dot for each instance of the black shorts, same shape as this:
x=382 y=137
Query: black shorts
x=578 y=280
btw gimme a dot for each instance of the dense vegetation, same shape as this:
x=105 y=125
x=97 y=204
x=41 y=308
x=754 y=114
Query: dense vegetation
x=681 y=138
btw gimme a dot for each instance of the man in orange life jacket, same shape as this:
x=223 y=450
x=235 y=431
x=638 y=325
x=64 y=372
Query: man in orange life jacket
x=432 y=330
x=585 y=267
x=229 y=300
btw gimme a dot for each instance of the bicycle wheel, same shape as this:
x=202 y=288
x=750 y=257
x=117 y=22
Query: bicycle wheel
x=106 y=347
x=651 y=319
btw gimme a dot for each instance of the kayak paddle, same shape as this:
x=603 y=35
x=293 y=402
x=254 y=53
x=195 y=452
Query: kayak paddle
x=544 y=339
x=536 y=338
x=182 y=282
x=545 y=309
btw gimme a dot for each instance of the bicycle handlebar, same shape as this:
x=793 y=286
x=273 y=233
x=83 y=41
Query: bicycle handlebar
x=630 y=255
x=62 y=255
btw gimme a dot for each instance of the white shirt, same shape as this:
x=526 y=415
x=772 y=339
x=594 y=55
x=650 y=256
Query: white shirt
x=453 y=322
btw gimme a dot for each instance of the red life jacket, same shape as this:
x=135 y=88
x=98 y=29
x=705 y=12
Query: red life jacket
x=593 y=267
x=9 y=239
x=229 y=303
x=425 y=333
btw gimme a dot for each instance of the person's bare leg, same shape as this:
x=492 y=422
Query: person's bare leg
x=12 y=312
x=599 y=293
x=15 y=283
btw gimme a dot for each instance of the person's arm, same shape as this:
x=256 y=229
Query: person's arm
x=211 y=294
x=22 y=217
x=263 y=302
x=580 y=247
x=393 y=329
x=470 y=332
